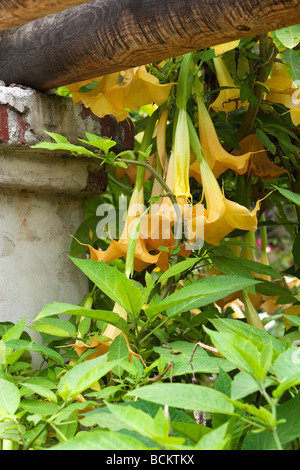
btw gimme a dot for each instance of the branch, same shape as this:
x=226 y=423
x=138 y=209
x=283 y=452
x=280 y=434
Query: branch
x=105 y=36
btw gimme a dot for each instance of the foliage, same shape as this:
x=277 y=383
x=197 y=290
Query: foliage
x=178 y=345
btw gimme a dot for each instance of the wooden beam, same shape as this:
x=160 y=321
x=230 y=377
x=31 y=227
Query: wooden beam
x=17 y=12
x=105 y=36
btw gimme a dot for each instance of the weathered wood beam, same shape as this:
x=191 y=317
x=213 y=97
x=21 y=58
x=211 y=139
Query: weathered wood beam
x=17 y=12
x=112 y=35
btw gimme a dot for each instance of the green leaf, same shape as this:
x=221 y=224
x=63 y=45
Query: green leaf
x=296 y=250
x=141 y=422
x=60 y=308
x=58 y=138
x=9 y=397
x=273 y=289
x=96 y=141
x=265 y=141
x=83 y=375
x=218 y=439
x=179 y=268
x=39 y=348
x=15 y=331
x=113 y=283
x=101 y=440
x=42 y=391
x=228 y=263
x=200 y=293
x=83 y=234
x=293 y=197
x=118 y=350
x=240 y=352
x=287 y=431
x=257 y=336
x=55 y=327
x=185 y=396
x=202 y=361
x=288 y=383
x=243 y=385
x=289 y=36
x=292 y=60
x=43 y=408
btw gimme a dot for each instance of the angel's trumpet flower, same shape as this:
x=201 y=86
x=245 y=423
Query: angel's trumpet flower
x=228 y=99
x=221 y=215
x=282 y=91
x=217 y=158
x=137 y=88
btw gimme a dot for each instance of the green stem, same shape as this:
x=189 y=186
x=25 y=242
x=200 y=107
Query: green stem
x=264 y=242
x=142 y=156
x=273 y=405
x=7 y=444
x=164 y=185
x=262 y=75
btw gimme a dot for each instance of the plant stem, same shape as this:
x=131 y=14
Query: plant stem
x=262 y=75
x=273 y=404
x=7 y=444
x=164 y=185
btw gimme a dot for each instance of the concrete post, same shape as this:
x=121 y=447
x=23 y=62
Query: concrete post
x=41 y=198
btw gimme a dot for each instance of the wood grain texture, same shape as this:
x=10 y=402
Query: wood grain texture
x=17 y=12
x=105 y=36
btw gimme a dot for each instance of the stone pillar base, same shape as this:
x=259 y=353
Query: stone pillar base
x=41 y=199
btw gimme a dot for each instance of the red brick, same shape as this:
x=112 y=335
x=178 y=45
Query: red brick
x=4 y=132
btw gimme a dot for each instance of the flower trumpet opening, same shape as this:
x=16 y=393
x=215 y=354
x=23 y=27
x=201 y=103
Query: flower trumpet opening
x=221 y=215
x=114 y=96
x=228 y=99
x=218 y=159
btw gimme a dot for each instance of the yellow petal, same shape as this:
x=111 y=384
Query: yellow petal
x=227 y=100
x=221 y=215
x=226 y=46
x=218 y=159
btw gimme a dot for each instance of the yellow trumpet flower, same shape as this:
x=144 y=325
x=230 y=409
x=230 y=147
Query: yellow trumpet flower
x=181 y=159
x=221 y=215
x=120 y=91
x=282 y=91
x=218 y=159
x=118 y=249
x=228 y=99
